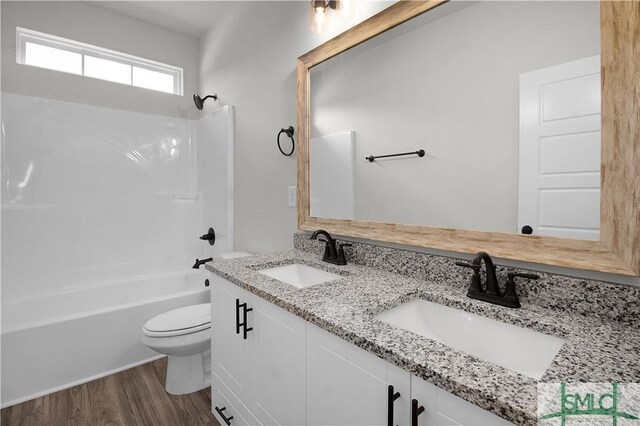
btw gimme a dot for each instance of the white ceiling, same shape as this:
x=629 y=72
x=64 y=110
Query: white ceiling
x=192 y=18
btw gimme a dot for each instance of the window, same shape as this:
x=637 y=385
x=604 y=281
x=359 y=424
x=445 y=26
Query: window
x=59 y=54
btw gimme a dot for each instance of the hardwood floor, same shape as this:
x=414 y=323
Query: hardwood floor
x=134 y=397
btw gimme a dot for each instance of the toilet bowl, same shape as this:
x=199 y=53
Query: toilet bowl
x=184 y=334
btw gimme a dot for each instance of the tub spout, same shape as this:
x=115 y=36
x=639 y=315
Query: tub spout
x=201 y=262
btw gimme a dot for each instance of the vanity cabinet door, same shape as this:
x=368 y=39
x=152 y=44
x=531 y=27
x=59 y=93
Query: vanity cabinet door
x=266 y=372
x=349 y=386
x=231 y=353
x=444 y=408
x=278 y=365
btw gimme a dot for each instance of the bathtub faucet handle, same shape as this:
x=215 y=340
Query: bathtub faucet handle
x=201 y=262
x=209 y=236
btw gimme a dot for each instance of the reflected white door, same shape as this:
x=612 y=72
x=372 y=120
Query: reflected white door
x=559 y=187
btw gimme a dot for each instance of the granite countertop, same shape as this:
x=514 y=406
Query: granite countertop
x=596 y=349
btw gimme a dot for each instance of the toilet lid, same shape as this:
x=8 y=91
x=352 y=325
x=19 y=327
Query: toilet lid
x=181 y=321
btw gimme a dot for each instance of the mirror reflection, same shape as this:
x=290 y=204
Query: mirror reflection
x=504 y=99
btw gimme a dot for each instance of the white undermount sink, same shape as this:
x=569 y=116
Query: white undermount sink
x=519 y=349
x=299 y=275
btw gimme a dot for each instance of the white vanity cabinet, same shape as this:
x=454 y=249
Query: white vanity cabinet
x=258 y=359
x=444 y=408
x=288 y=371
x=349 y=386
x=230 y=352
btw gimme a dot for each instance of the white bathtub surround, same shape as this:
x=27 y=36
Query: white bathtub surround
x=101 y=214
x=184 y=334
x=116 y=193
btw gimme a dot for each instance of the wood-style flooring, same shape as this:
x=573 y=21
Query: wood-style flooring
x=134 y=397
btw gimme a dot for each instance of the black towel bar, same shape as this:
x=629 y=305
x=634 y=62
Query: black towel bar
x=372 y=158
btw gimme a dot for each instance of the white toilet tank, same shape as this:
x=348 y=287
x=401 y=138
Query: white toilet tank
x=235 y=254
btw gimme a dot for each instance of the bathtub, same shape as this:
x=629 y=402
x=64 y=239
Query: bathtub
x=55 y=341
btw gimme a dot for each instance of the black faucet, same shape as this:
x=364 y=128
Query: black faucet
x=201 y=262
x=331 y=254
x=490 y=292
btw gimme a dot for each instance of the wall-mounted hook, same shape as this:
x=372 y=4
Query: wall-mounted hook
x=289 y=132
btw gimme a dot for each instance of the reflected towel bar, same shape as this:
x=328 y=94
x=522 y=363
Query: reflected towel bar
x=372 y=158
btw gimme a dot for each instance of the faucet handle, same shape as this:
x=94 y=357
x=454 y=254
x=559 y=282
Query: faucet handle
x=512 y=275
x=510 y=291
x=475 y=267
x=341 y=259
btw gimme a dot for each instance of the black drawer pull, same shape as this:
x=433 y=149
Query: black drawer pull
x=244 y=323
x=226 y=419
x=416 y=410
x=238 y=316
x=392 y=396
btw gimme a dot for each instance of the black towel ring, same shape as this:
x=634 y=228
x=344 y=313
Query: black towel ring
x=289 y=132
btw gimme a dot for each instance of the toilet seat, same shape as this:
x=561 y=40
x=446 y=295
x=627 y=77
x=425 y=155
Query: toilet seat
x=177 y=322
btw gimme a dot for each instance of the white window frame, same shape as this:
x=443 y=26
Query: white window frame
x=24 y=35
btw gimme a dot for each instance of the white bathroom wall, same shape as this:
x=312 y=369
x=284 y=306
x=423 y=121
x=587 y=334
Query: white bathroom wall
x=249 y=58
x=93 y=194
x=88 y=23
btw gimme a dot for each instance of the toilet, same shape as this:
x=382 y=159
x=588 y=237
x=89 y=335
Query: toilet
x=184 y=334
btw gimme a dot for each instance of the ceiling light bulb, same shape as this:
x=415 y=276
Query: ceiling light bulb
x=318 y=20
x=347 y=9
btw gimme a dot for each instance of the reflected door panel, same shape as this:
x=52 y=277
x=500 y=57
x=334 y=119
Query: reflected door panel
x=559 y=184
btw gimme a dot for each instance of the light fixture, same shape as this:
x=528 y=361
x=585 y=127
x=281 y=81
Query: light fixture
x=322 y=11
x=319 y=14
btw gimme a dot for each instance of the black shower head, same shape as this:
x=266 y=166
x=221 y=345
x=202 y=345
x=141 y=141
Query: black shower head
x=200 y=101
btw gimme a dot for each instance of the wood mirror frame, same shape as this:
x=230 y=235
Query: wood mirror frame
x=618 y=250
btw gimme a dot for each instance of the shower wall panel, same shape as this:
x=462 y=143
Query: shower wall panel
x=92 y=194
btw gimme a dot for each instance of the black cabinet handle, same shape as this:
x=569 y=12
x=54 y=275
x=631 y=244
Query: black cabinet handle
x=226 y=419
x=416 y=410
x=238 y=316
x=392 y=396
x=244 y=323
x=209 y=236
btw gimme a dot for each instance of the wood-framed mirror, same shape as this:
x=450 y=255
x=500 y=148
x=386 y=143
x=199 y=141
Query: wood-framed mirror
x=617 y=249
